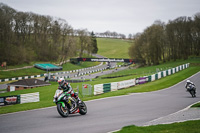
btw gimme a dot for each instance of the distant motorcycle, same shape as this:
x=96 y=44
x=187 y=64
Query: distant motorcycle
x=68 y=105
x=191 y=89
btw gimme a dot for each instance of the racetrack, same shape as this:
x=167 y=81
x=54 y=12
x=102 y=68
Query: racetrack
x=104 y=115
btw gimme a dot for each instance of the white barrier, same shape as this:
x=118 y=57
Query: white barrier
x=30 y=97
x=173 y=70
x=169 y=72
x=153 y=77
x=180 y=67
x=98 y=89
x=187 y=65
x=114 y=86
x=125 y=84
x=164 y=73
x=177 y=69
x=159 y=75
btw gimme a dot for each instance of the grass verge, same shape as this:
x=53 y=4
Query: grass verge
x=47 y=92
x=196 y=105
x=34 y=71
x=182 y=127
x=152 y=86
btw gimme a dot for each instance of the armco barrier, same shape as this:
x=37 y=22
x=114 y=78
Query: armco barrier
x=41 y=75
x=106 y=87
x=177 y=69
x=98 y=89
x=153 y=77
x=114 y=86
x=19 y=78
x=159 y=75
x=164 y=74
x=142 y=80
x=167 y=72
x=30 y=97
x=17 y=99
x=149 y=78
x=126 y=84
x=80 y=74
x=102 y=88
x=8 y=100
x=173 y=70
x=156 y=76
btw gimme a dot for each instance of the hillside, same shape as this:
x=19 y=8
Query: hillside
x=113 y=48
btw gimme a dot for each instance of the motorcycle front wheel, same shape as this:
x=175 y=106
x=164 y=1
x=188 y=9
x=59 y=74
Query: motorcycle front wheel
x=63 y=111
x=82 y=108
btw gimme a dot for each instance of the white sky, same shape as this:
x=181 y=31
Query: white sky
x=122 y=16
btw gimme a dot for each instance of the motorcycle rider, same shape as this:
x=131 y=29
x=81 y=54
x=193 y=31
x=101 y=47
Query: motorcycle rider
x=191 y=86
x=66 y=87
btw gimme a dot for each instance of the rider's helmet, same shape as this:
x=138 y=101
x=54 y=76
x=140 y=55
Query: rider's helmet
x=188 y=81
x=61 y=82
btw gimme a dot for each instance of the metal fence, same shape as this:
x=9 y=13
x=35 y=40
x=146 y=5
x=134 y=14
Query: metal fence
x=86 y=90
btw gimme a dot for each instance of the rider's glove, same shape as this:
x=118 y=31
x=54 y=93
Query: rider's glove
x=59 y=87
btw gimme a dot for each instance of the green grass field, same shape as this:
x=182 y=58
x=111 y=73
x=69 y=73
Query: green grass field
x=182 y=127
x=35 y=71
x=107 y=47
x=113 y=48
x=149 y=70
x=196 y=105
x=47 y=92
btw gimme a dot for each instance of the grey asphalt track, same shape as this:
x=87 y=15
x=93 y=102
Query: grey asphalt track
x=104 y=115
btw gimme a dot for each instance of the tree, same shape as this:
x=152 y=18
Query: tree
x=178 y=39
x=84 y=42
x=136 y=51
x=195 y=46
x=94 y=43
x=130 y=36
x=68 y=42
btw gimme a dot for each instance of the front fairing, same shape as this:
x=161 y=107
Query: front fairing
x=58 y=95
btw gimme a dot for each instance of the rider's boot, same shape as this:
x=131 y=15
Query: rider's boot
x=78 y=100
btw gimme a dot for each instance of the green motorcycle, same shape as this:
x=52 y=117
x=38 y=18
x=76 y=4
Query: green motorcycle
x=68 y=105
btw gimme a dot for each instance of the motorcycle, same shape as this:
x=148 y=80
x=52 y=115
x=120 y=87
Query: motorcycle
x=192 y=90
x=68 y=105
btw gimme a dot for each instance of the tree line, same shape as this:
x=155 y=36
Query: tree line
x=109 y=34
x=27 y=37
x=178 y=39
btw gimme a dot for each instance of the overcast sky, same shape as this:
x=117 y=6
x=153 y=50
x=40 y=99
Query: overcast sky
x=122 y=16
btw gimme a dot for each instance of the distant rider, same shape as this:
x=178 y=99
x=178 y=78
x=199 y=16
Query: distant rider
x=190 y=85
x=66 y=87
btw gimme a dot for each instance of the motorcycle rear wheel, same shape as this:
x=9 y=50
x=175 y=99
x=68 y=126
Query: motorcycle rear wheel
x=64 y=112
x=82 y=108
x=192 y=92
